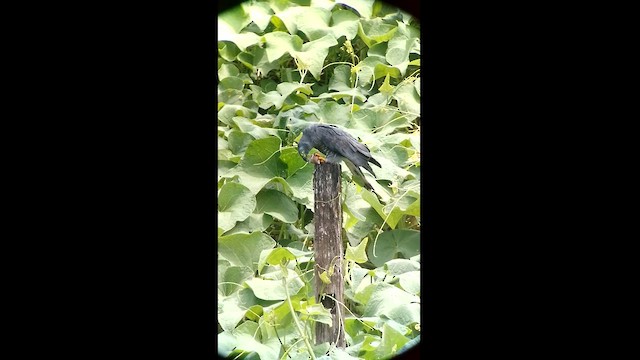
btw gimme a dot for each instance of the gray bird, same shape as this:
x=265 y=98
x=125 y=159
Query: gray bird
x=337 y=145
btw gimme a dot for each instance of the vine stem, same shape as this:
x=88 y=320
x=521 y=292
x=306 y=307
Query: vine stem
x=336 y=63
x=295 y=319
x=351 y=312
x=289 y=349
x=275 y=329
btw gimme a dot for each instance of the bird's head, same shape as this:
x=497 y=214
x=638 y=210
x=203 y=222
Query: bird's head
x=303 y=149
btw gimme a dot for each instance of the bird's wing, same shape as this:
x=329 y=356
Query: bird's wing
x=339 y=141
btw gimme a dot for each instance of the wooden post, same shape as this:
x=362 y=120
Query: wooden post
x=328 y=250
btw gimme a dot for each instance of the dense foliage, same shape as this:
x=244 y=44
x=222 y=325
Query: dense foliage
x=283 y=65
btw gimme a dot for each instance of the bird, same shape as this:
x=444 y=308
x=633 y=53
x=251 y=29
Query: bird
x=338 y=145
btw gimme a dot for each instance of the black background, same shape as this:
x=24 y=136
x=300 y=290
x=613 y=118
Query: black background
x=119 y=163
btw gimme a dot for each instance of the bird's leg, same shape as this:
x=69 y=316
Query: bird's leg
x=318 y=159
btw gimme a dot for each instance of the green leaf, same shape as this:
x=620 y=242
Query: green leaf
x=363 y=228
x=235 y=203
x=247 y=299
x=365 y=75
x=379 y=304
x=223 y=264
x=375 y=31
x=382 y=69
x=377 y=66
x=408 y=205
x=317 y=28
x=279 y=323
x=230 y=96
x=410 y=282
x=341 y=79
x=353 y=326
x=229 y=312
x=347 y=95
x=317 y=313
x=396 y=267
x=222 y=144
x=278 y=205
x=363 y=292
x=405 y=314
x=278 y=255
x=288 y=15
x=280 y=43
x=325 y=278
x=412 y=33
x=392 y=341
x=369 y=345
x=228 y=50
x=227 y=70
x=353 y=205
x=288 y=88
x=260 y=165
x=285 y=92
x=391 y=218
x=256 y=59
x=268 y=349
x=242 y=41
x=272 y=98
x=274 y=289
x=408 y=98
x=259 y=13
x=301 y=184
x=330 y=112
x=397 y=153
x=357 y=275
x=234 y=19
x=255 y=222
x=301 y=255
x=394 y=243
x=398 y=50
x=358 y=253
x=319 y=350
x=344 y=23
x=379 y=120
x=250 y=127
x=292 y=159
x=244 y=249
x=254 y=312
x=340 y=354
x=226 y=343
x=313 y=53
x=233 y=278
x=229 y=111
x=226 y=155
x=339 y=23
x=238 y=141
x=386 y=88
x=378 y=50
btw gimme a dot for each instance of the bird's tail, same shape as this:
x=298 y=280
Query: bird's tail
x=375 y=162
x=358 y=176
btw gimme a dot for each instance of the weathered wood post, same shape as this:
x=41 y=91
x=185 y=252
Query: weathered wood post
x=328 y=250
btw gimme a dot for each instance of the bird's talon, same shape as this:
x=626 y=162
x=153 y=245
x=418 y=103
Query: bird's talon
x=318 y=159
